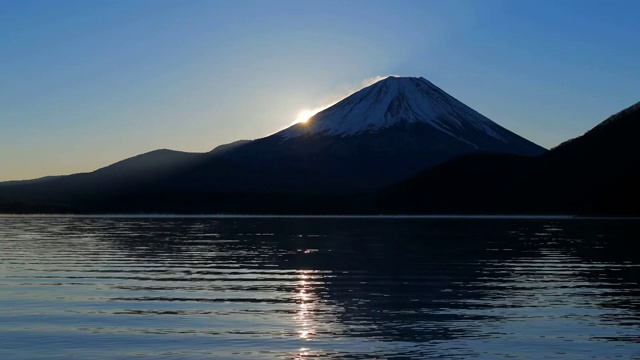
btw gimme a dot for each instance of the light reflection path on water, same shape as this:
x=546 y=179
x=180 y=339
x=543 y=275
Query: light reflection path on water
x=305 y=300
x=318 y=288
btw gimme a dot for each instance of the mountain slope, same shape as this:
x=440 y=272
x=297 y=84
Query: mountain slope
x=64 y=192
x=30 y=181
x=596 y=173
x=597 y=165
x=221 y=149
x=376 y=136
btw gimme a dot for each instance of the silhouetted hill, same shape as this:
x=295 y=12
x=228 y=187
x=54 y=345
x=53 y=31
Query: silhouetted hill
x=221 y=149
x=72 y=192
x=470 y=184
x=596 y=173
x=30 y=181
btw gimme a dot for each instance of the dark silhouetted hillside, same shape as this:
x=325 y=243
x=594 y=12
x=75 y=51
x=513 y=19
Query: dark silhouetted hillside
x=596 y=173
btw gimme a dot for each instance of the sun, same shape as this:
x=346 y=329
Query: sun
x=304 y=116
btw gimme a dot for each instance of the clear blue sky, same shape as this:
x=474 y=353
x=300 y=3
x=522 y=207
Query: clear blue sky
x=86 y=83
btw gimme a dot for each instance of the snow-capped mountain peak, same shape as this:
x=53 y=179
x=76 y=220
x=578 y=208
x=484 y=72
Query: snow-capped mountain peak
x=391 y=101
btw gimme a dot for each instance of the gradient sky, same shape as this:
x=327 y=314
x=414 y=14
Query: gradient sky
x=86 y=83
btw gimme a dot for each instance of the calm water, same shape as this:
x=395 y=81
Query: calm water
x=246 y=288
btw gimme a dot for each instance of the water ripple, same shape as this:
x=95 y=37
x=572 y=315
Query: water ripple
x=264 y=288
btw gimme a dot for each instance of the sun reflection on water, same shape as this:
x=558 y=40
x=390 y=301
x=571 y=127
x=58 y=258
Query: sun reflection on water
x=305 y=300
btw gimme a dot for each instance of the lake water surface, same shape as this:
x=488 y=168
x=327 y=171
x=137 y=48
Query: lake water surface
x=296 y=288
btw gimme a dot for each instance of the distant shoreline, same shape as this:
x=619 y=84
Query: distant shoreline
x=334 y=216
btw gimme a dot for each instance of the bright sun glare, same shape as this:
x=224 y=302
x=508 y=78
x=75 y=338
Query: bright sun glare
x=304 y=115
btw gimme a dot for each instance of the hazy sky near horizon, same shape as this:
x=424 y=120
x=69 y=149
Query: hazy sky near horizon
x=86 y=83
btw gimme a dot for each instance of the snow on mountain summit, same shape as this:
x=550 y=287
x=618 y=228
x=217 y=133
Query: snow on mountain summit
x=391 y=101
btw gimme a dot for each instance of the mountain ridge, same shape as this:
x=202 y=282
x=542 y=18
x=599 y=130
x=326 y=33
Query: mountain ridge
x=410 y=124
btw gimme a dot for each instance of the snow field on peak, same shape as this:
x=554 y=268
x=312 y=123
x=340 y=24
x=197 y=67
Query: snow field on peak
x=391 y=101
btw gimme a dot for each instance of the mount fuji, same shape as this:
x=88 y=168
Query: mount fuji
x=378 y=135
x=375 y=137
x=397 y=100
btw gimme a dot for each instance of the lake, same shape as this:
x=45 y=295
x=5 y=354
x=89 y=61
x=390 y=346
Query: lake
x=298 y=288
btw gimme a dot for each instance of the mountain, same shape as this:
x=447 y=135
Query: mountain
x=64 y=193
x=30 y=181
x=598 y=170
x=378 y=135
x=596 y=173
x=397 y=100
x=333 y=162
x=221 y=149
